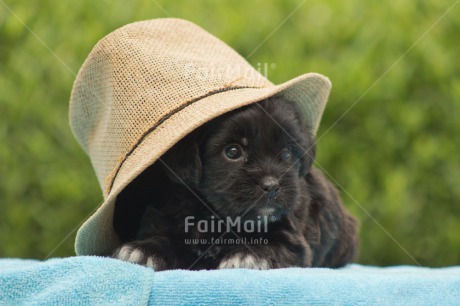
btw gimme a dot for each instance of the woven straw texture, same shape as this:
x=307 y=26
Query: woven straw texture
x=148 y=84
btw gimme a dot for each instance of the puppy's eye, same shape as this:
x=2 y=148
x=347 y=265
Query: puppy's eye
x=286 y=153
x=233 y=151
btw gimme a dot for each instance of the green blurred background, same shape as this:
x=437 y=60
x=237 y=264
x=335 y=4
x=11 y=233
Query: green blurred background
x=394 y=155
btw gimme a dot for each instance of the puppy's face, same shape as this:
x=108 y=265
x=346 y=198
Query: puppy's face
x=250 y=162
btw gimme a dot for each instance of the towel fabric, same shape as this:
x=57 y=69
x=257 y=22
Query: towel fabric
x=98 y=280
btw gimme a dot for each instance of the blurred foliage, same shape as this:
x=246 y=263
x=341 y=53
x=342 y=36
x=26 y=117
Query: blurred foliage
x=389 y=136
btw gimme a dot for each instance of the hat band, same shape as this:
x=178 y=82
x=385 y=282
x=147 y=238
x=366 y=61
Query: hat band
x=162 y=120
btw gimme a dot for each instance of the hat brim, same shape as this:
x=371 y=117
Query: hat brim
x=97 y=236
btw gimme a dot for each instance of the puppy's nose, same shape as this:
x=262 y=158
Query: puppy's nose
x=271 y=186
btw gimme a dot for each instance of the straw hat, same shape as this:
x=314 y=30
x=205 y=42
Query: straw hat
x=148 y=84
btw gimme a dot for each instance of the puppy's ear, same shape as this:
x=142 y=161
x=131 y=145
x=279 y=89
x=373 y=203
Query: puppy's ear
x=182 y=163
x=307 y=141
x=308 y=157
x=336 y=238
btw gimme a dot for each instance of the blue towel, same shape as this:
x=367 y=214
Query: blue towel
x=97 y=280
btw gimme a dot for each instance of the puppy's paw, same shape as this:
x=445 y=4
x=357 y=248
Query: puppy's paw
x=135 y=255
x=246 y=261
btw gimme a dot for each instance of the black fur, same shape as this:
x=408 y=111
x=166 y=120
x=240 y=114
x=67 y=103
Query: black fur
x=307 y=223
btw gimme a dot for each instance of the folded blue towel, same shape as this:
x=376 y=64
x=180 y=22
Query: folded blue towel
x=97 y=280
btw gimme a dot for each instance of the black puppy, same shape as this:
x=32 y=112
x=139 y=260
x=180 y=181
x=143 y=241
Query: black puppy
x=239 y=192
